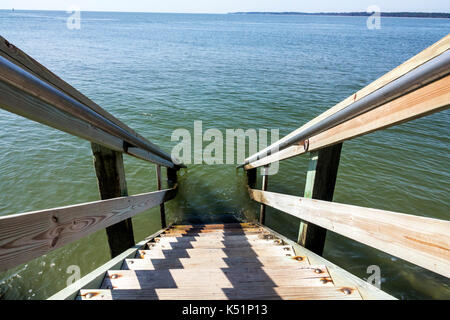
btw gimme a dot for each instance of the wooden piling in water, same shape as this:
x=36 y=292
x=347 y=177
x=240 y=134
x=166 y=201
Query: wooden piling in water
x=162 y=209
x=262 y=210
x=320 y=183
x=112 y=184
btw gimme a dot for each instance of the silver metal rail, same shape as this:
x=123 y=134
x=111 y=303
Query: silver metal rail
x=18 y=80
x=430 y=71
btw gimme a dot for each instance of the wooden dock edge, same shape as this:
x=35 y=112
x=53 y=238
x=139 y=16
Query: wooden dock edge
x=94 y=278
x=340 y=276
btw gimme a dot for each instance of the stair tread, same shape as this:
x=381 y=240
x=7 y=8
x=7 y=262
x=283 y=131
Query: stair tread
x=224 y=278
x=208 y=293
x=225 y=252
x=207 y=262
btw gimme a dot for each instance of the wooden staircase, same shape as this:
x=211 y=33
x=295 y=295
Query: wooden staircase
x=218 y=261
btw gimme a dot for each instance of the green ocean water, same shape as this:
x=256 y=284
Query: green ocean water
x=160 y=72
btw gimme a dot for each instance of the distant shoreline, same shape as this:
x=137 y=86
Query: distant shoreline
x=357 y=14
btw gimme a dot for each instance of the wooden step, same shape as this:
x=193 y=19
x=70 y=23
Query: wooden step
x=214 y=226
x=213 y=237
x=208 y=293
x=208 y=262
x=213 y=244
x=222 y=278
x=207 y=230
x=216 y=253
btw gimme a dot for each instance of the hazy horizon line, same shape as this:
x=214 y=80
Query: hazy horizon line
x=230 y=12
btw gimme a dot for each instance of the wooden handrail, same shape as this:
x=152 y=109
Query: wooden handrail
x=26 y=236
x=424 y=101
x=420 y=240
x=435 y=51
x=22 y=78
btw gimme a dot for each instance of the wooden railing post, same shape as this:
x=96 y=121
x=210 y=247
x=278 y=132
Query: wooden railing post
x=320 y=183
x=251 y=178
x=112 y=184
x=172 y=177
x=161 y=206
x=262 y=210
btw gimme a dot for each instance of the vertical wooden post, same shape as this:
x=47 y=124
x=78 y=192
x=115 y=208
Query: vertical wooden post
x=171 y=177
x=251 y=178
x=320 y=183
x=262 y=210
x=161 y=206
x=112 y=184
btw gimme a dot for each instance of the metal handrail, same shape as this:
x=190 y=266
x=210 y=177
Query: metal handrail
x=430 y=71
x=28 y=83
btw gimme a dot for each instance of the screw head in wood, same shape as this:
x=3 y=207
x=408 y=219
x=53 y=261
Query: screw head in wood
x=114 y=276
x=346 y=291
x=88 y=295
x=317 y=270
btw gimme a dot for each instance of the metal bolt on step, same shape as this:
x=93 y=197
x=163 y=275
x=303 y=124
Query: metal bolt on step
x=287 y=248
x=114 y=276
x=346 y=291
x=317 y=270
x=88 y=295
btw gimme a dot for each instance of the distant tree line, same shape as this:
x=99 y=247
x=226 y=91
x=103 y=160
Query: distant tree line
x=362 y=14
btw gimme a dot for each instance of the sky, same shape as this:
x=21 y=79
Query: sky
x=224 y=6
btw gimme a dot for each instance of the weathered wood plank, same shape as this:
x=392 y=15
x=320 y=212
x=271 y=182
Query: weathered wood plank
x=26 y=236
x=209 y=262
x=211 y=237
x=208 y=293
x=424 y=101
x=211 y=244
x=420 y=240
x=217 y=253
x=213 y=226
x=320 y=183
x=207 y=232
x=426 y=55
x=222 y=278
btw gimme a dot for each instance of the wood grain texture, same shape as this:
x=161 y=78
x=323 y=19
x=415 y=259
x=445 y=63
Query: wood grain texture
x=432 y=98
x=95 y=278
x=229 y=273
x=208 y=293
x=220 y=278
x=426 y=55
x=209 y=262
x=29 y=235
x=320 y=182
x=110 y=173
x=341 y=278
x=419 y=240
x=281 y=251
